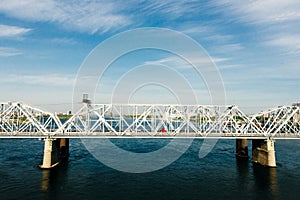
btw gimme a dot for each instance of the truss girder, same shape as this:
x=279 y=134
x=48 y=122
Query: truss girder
x=146 y=120
x=20 y=119
x=180 y=120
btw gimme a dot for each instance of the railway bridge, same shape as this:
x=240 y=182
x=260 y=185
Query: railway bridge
x=18 y=120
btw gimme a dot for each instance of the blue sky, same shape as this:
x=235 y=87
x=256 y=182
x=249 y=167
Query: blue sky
x=255 y=45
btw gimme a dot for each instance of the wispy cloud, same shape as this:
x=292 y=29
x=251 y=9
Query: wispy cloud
x=12 y=31
x=220 y=37
x=214 y=38
x=267 y=11
x=85 y=16
x=8 y=51
x=178 y=63
x=210 y=32
x=219 y=60
x=41 y=79
x=276 y=23
x=195 y=29
x=229 y=66
x=226 y=48
x=289 y=43
x=99 y=16
x=173 y=9
x=64 y=40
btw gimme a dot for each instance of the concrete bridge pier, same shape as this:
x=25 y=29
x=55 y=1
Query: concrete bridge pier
x=242 y=149
x=263 y=152
x=55 y=150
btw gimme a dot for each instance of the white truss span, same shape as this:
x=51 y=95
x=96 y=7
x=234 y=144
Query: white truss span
x=113 y=120
x=20 y=120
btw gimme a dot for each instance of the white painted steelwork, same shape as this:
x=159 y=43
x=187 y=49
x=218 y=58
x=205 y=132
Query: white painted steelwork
x=21 y=120
x=154 y=121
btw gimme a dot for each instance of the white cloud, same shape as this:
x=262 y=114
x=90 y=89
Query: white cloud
x=178 y=63
x=98 y=16
x=12 y=31
x=195 y=29
x=173 y=9
x=226 y=48
x=219 y=37
x=172 y=61
x=8 y=51
x=262 y=11
x=229 y=66
x=276 y=21
x=289 y=43
x=85 y=16
x=219 y=60
x=42 y=79
x=64 y=40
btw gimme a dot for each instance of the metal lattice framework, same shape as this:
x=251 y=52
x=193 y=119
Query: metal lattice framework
x=20 y=120
x=144 y=120
x=282 y=121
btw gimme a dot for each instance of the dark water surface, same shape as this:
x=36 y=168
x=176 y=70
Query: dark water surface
x=217 y=176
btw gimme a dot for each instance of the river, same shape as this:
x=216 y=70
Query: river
x=217 y=176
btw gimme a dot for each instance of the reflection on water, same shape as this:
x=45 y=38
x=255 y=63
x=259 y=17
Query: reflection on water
x=52 y=180
x=45 y=180
x=273 y=182
x=266 y=179
x=242 y=170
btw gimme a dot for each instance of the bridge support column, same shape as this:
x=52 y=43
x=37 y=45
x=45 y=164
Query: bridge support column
x=54 y=151
x=242 y=149
x=263 y=152
x=64 y=148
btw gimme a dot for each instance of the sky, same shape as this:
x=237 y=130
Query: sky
x=255 y=46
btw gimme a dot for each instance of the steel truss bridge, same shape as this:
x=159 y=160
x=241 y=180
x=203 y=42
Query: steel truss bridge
x=19 y=120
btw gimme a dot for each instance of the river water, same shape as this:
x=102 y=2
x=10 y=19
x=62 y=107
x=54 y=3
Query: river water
x=217 y=176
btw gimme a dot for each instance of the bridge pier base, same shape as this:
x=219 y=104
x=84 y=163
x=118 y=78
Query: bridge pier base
x=55 y=150
x=64 y=148
x=242 y=149
x=263 y=152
